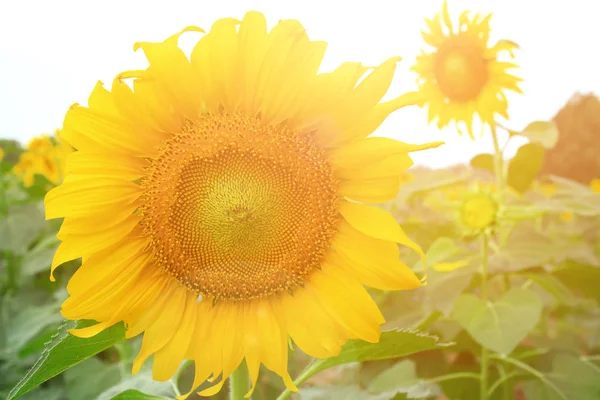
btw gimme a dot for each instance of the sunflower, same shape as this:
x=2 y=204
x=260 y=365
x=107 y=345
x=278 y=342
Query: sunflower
x=45 y=156
x=478 y=211
x=216 y=202
x=1 y=153
x=462 y=76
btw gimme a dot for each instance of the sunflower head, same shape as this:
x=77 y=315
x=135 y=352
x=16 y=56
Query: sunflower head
x=462 y=75
x=216 y=202
x=477 y=210
x=1 y=153
x=41 y=144
x=45 y=156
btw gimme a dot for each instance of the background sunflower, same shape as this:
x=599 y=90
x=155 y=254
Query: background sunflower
x=463 y=76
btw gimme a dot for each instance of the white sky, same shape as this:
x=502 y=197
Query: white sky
x=53 y=52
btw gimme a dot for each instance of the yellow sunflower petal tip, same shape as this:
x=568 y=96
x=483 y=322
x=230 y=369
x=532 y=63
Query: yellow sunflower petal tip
x=196 y=219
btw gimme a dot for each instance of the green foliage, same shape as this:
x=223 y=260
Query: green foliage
x=525 y=166
x=65 y=351
x=542 y=132
x=392 y=344
x=484 y=162
x=501 y=325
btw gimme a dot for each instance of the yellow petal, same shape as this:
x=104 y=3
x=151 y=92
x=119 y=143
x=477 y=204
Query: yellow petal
x=170 y=65
x=163 y=329
x=80 y=198
x=374 y=262
x=106 y=165
x=378 y=190
x=377 y=223
x=89 y=331
x=348 y=303
x=168 y=359
x=304 y=316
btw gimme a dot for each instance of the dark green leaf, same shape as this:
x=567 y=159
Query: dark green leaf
x=525 y=166
x=65 y=351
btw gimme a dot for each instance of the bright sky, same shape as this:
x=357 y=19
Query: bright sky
x=53 y=52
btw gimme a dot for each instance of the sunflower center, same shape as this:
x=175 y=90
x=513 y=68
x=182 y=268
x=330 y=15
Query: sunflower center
x=461 y=69
x=237 y=209
x=479 y=212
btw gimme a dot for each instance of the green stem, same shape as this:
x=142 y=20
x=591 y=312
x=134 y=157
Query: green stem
x=239 y=383
x=484 y=296
x=427 y=321
x=501 y=380
x=307 y=373
x=457 y=375
x=533 y=372
x=498 y=166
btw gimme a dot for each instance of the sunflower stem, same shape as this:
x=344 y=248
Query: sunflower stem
x=498 y=165
x=484 y=296
x=239 y=383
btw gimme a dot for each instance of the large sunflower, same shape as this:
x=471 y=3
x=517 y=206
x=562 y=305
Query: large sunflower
x=210 y=202
x=462 y=76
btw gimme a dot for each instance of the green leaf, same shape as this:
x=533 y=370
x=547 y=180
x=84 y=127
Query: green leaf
x=573 y=197
x=554 y=286
x=340 y=392
x=140 y=386
x=483 y=161
x=28 y=324
x=543 y=132
x=65 y=351
x=78 y=384
x=571 y=378
x=443 y=288
x=402 y=378
x=133 y=394
x=499 y=326
x=514 y=212
x=525 y=166
x=441 y=249
x=392 y=344
x=40 y=257
x=525 y=248
x=20 y=227
x=580 y=278
x=426 y=181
